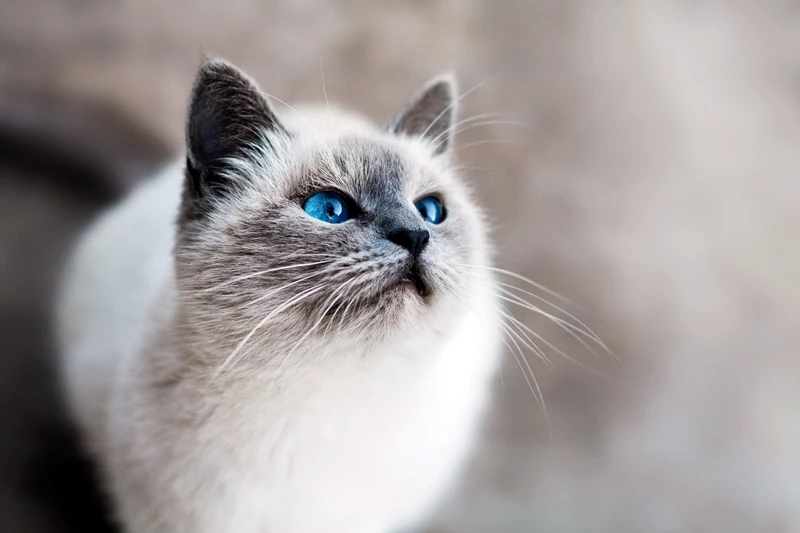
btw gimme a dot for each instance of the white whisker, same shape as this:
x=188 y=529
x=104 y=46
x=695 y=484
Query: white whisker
x=345 y=286
x=556 y=349
x=591 y=334
x=299 y=114
x=486 y=141
x=586 y=331
x=540 y=398
x=454 y=102
x=468 y=125
x=344 y=315
x=262 y=272
x=285 y=305
x=455 y=127
x=563 y=324
x=527 y=341
x=520 y=277
x=332 y=272
x=324 y=90
x=523 y=328
x=320 y=318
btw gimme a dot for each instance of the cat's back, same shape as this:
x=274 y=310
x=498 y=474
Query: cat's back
x=117 y=269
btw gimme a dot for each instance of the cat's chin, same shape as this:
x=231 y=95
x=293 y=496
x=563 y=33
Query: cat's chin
x=398 y=301
x=398 y=294
x=409 y=285
x=411 y=282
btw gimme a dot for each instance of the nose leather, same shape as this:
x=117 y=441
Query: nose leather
x=413 y=240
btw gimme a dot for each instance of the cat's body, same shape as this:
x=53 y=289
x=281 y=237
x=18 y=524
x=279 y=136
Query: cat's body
x=217 y=398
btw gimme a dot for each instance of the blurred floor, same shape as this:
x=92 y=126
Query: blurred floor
x=655 y=183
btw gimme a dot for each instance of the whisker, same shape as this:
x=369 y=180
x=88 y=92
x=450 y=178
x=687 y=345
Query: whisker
x=345 y=287
x=262 y=272
x=461 y=167
x=468 y=125
x=454 y=102
x=478 y=124
x=263 y=321
x=324 y=90
x=332 y=272
x=520 y=277
x=563 y=324
x=556 y=349
x=586 y=331
x=523 y=328
x=320 y=318
x=270 y=293
x=527 y=341
x=344 y=315
x=505 y=313
x=473 y=118
x=326 y=306
x=454 y=127
x=486 y=141
x=299 y=114
x=540 y=398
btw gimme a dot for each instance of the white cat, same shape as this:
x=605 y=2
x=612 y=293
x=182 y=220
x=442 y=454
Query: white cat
x=293 y=332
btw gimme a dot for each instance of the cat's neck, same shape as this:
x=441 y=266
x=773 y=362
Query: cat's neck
x=278 y=361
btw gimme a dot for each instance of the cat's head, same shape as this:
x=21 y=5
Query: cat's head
x=318 y=224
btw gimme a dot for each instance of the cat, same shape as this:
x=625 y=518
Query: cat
x=292 y=330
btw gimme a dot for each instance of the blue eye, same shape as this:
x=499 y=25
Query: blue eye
x=328 y=206
x=431 y=209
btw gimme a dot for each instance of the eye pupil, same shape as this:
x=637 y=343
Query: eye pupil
x=431 y=209
x=328 y=206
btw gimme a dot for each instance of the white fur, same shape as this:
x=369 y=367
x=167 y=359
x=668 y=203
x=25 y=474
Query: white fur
x=365 y=444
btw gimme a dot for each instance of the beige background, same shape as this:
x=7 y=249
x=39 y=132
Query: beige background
x=655 y=183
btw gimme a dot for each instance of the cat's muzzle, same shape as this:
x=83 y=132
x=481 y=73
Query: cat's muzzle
x=413 y=277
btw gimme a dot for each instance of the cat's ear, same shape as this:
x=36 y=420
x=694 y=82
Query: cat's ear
x=228 y=115
x=430 y=114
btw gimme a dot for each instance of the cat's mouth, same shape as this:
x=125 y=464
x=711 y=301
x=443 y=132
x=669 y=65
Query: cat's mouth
x=412 y=279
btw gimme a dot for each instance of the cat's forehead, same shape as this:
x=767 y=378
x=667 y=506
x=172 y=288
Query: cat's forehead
x=369 y=168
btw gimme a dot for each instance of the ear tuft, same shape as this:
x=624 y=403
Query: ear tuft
x=430 y=114
x=227 y=115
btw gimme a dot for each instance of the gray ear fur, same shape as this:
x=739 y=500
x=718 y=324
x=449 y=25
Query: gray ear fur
x=430 y=114
x=227 y=114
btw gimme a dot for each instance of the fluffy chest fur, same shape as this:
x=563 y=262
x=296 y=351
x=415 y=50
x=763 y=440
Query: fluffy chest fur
x=369 y=441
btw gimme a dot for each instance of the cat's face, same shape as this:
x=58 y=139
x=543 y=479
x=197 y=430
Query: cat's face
x=289 y=233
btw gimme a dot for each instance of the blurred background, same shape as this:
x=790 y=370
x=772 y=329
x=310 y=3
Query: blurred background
x=655 y=182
